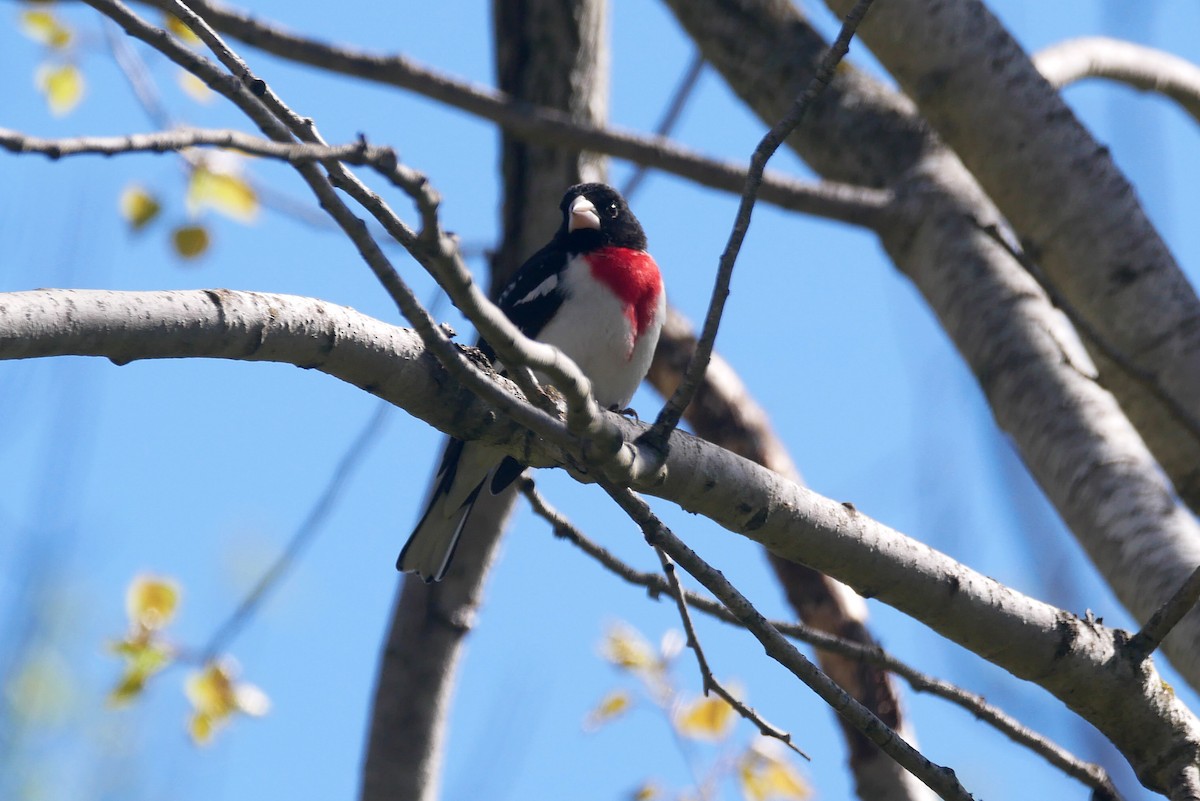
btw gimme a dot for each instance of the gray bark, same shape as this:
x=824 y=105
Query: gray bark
x=1072 y=208
x=724 y=413
x=1071 y=434
x=1082 y=662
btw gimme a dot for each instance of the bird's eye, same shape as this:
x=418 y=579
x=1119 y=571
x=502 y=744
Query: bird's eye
x=612 y=209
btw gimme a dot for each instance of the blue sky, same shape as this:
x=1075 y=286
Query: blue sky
x=203 y=470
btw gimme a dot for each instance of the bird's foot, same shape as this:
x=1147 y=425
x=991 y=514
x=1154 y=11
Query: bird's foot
x=628 y=411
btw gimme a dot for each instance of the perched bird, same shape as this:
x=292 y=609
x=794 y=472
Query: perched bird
x=595 y=294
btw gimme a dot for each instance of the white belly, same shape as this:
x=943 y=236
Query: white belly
x=600 y=339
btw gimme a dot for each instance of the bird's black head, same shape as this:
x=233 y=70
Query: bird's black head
x=596 y=216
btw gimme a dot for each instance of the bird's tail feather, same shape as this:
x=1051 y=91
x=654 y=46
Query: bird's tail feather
x=464 y=469
x=431 y=546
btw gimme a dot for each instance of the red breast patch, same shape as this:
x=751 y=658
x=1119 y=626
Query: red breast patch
x=633 y=276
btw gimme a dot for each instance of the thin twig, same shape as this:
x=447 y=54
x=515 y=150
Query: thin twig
x=134 y=69
x=846 y=203
x=1146 y=641
x=939 y=779
x=1085 y=772
x=708 y=679
x=245 y=94
x=673 y=410
x=441 y=254
x=666 y=125
x=304 y=535
x=381 y=158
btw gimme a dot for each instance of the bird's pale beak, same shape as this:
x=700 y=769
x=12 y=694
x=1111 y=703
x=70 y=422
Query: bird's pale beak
x=582 y=214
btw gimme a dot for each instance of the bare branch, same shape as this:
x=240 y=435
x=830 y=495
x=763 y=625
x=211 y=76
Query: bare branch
x=248 y=93
x=673 y=410
x=708 y=680
x=441 y=255
x=679 y=99
x=1147 y=378
x=1127 y=702
x=383 y=159
x=849 y=204
x=1073 y=210
x=1088 y=773
x=1132 y=64
x=1166 y=618
x=941 y=780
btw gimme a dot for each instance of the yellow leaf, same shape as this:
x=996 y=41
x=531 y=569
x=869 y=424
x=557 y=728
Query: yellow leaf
x=201 y=728
x=215 y=697
x=194 y=87
x=190 y=240
x=705 y=718
x=223 y=191
x=62 y=85
x=42 y=26
x=648 y=791
x=625 y=647
x=138 y=206
x=128 y=688
x=143 y=658
x=151 y=601
x=211 y=691
x=766 y=774
x=611 y=706
x=176 y=26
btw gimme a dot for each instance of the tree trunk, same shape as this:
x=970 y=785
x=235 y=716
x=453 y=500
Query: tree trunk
x=552 y=54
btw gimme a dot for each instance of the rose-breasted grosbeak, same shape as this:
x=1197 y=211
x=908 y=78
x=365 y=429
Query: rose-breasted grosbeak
x=595 y=294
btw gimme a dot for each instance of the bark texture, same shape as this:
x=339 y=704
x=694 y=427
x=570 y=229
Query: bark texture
x=1074 y=211
x=1071 y=433
x=1086 y=665
x=724 y=413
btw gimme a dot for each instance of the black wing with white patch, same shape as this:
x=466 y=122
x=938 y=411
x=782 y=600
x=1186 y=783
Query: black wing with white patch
x=535 y=292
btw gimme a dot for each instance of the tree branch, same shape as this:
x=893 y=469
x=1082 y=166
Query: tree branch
x=1073 y=437
x=1127 y=700
x=382 y=159
x=708 y=680
x=842 y=202
x=1088 y=773
x=1075 y=213
x=673 y=410
x=941 y=780
x=1135 y=65
x=725 y=413
x=1166 y=618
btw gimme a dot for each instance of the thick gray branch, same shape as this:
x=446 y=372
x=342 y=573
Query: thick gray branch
x=1124 y=697
x=1071 y=434
x=1073 y=210
x=725 y=413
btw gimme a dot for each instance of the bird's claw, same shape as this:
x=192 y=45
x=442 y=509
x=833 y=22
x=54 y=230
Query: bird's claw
x=629 y=411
